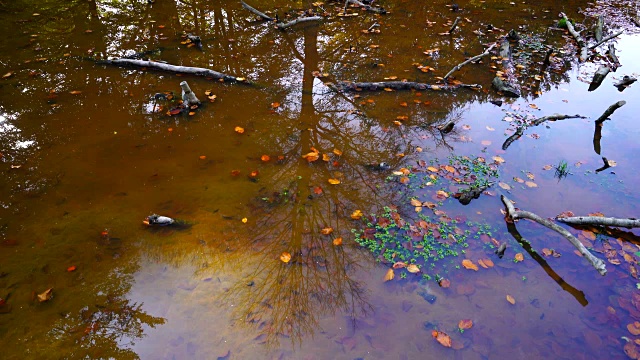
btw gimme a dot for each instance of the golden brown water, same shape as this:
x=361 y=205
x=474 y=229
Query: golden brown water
x=85 y=159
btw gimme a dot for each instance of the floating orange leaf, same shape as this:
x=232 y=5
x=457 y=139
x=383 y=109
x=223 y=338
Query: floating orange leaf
x=239 y=130
x=519 y=257
x=468 y=264
x=444 y=283
x=326 y=231
x=547 y=167
x=488 y=262
x=498 y=159
x=432 y=169
x=275 y=105
x=416 y=202
x=356 y=215
x=399 y=265
x=531 y=184
x=285 y=257
x=191 y=113
x=337 y=152
x=334 y=181
x=254 y=173
x=265 y=158
x=634 y=328
x=413 y=268
x=7 y=75
x=442 y=338
x=337 y=241
x=465 y=324
x=312 y=156
x=504 y=186
x=403 y=104
x=511 y=300
x=71 y=268
x=481 y=263
x=75 y=92
x=389 y=275
x=442 y=194
x=235 y=172
x=317 y=190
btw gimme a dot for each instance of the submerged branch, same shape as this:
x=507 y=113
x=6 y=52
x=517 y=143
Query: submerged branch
x=399 y=85
x=459 y=66
x=520 y=130
x=257 y=12
x=365 y=6
x=519 y=214
x=605 y=40
x=155 y=65
x=283 y=26
x=610 y=111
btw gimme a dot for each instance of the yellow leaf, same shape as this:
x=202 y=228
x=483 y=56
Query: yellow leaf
x=326 y=231
x=325 y=157
x=511 y=300
x=75 y=92
x=388 y=89
x=413 y=268
x=244 y=220
x=239 y=130
x=7 y=75
x=45 y=295
x=442 y=338
x=432 y=169
x=337 y=152
x=275 y=105
x=498 y=159
x=468 y=264
x=531 y=184
x=334 y=181
x=416 y=202
x=450 y=168
x=356 y=215
x=519 y=257
x=389 y=275
x=337 y=241
x=312 y=156
x=285 y=257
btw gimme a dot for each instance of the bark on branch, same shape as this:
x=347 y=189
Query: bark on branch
x=610 y=111
x=581 y=43
x=600 y=221
x=155 y=65
x=399 y=85
x=598 y=77
x=459 y=66
x=283 y=26
x=514 y=214
x=257 y=12
x=606 y=39
x=506 y=85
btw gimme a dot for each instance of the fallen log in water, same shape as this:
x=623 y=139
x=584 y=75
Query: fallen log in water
x=581 y=43
x=399 y=85
x=257 y=12
x=507 y=85
x=514 y=214
x=600 y=221
x=605 y=40
x=155 y=65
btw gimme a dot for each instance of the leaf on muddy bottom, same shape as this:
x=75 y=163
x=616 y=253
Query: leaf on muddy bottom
x=389 y=275
x=311 y=157
x=45 y=295
x=511 y=300
x=468 y=264
x=442 y=338
x=465 y=324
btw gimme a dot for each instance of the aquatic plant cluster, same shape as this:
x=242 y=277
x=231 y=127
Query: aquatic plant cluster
x=432 y=242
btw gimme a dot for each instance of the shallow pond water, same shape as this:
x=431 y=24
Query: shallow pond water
x=87 y=154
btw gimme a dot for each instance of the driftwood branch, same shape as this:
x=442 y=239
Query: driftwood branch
x=520 y=130
x=155 y=65
x=399 y=85
x=376 y=10
x=581 y=43
x=600 y=221
x=625 y=82
x=519 y=214
x=598 y=77
x=610 y=110
x=459 y=66
x=283 y=26
x=257 y=12
x=606 y=39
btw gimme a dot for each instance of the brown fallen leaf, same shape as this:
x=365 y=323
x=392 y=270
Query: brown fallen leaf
x=413 y=268
x=317 y=190
x=399 y=265
x=634 y=328
x=445 y=283
x=519 y=257
x=239 y=130
x=7 y=75
x=326 y=231
x=265 y=158
x=45 y=295
x=337 y=241
x=389 y=275
x=312 y=156
x=75 y=92
x=468 y=264
x=511 y=300
x=481 y=263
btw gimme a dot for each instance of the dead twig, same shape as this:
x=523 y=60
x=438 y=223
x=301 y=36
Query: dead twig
x=459 y=66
